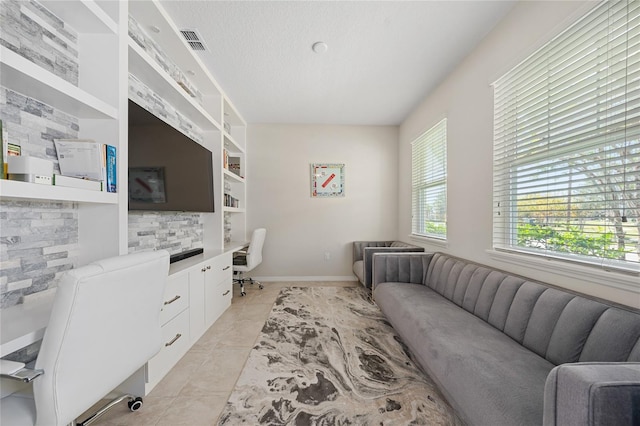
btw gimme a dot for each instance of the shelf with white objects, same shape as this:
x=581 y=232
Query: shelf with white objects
x=151 y=74
x=234 y=177
x=10 y=189
x=28 y=78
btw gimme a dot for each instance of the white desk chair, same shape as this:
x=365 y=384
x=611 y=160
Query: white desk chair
x=245 y=261
x=104 y=326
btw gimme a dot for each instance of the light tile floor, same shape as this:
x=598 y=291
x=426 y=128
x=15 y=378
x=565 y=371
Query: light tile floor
x=196 y=390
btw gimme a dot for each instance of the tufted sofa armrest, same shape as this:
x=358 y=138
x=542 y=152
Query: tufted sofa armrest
x=359 y=246
x=593 y=394
x=364 y=251
x=400 y=268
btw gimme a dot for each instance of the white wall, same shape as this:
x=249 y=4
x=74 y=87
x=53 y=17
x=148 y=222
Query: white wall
x=300 y=229
x=466 y=99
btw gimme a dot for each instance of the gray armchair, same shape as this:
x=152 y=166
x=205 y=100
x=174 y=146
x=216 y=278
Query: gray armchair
x=363 y=256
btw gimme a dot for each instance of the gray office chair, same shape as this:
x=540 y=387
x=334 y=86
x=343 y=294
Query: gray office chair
x=104 y=326
x=246 y=260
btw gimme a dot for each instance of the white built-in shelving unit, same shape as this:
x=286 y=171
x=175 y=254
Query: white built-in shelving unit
x=106 y=56
x=102 y=232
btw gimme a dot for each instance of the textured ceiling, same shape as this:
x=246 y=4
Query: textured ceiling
x=383 y=58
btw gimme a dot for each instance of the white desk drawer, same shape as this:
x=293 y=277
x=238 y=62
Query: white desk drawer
x=221 y=266
x=175 y=338
x=221 y=299
x=176 y=297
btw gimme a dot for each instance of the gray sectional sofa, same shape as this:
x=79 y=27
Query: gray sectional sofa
x=505 y=350
x=363 y=252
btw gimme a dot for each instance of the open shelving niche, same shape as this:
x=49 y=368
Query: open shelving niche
x=210 y=115
x=96 y=103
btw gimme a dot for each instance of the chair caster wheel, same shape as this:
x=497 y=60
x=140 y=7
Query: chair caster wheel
x=260 y=286
x=242 y=293
x=135 y=404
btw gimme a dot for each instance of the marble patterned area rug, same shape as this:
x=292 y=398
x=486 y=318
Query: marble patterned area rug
x=327 y=356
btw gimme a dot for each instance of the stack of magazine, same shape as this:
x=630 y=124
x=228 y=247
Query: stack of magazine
x=86 y=164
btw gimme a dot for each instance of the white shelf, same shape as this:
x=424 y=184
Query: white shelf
x=233 y=176
x=25 y=323
x=233 y=210
x=231 y=114
x=150 y=13
x=235 y=245
x=151 y=74
x=10 y=189
x=25 y=77
x=231 y=145
x=84 y=16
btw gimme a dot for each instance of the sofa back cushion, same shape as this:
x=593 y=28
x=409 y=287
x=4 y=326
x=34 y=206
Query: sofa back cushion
x=557 y=325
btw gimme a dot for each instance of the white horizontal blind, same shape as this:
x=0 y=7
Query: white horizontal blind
x=567 y=144
x=429 y=182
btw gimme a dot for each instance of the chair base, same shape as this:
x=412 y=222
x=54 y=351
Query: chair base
x=135 y=403
x=240 y=280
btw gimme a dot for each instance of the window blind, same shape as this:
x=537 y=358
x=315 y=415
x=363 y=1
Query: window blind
x=567 y=144
x=429 y=182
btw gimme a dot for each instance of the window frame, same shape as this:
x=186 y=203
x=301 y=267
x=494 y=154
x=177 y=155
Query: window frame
x=505 y=177
x=432 y=181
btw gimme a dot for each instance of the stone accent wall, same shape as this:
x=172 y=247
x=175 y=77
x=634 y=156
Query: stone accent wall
x=38 y=241
x=30 y=30
x=155 y=104
x=172 y=231
x=34 y=125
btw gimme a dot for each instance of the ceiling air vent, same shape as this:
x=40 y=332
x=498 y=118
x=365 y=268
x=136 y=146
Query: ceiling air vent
x=193 y=39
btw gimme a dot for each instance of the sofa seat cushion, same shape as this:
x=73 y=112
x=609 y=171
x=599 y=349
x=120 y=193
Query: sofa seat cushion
x=488 y=377
x=358 y=269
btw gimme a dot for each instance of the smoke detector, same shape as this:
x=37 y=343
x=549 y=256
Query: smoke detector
x=193 y=39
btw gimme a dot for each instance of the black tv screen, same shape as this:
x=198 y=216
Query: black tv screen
x=168 y=171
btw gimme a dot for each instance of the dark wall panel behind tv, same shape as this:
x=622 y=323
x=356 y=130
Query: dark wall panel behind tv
x=187 y=166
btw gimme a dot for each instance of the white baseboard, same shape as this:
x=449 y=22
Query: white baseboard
x=307 y=278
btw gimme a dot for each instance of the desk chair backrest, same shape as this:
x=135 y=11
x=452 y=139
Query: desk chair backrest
x=254 y=252
x=105 y=325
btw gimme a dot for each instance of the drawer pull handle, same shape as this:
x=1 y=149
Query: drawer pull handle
x=225 y=293
x=208 y=266
x=168 y=302
x=173 y=340
x=226 y=267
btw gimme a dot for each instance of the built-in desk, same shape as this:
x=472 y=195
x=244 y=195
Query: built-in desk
x=24 y=324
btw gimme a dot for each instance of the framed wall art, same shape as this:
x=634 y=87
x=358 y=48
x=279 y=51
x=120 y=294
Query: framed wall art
x=327 y=180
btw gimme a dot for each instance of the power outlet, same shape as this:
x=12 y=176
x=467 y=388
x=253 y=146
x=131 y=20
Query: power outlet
x=327 y=255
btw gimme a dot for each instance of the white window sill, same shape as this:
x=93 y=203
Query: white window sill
x=610 y=278
x=431 y=241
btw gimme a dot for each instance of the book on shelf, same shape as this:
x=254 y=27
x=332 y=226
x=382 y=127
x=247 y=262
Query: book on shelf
x=3 y=174
x=74 y=182
x=111 y=181
x=225 y=159
x=7 y=149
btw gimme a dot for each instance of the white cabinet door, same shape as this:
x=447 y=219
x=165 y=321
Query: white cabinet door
x=220 y=271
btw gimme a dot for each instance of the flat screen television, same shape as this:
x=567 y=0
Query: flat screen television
x=168 y=171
